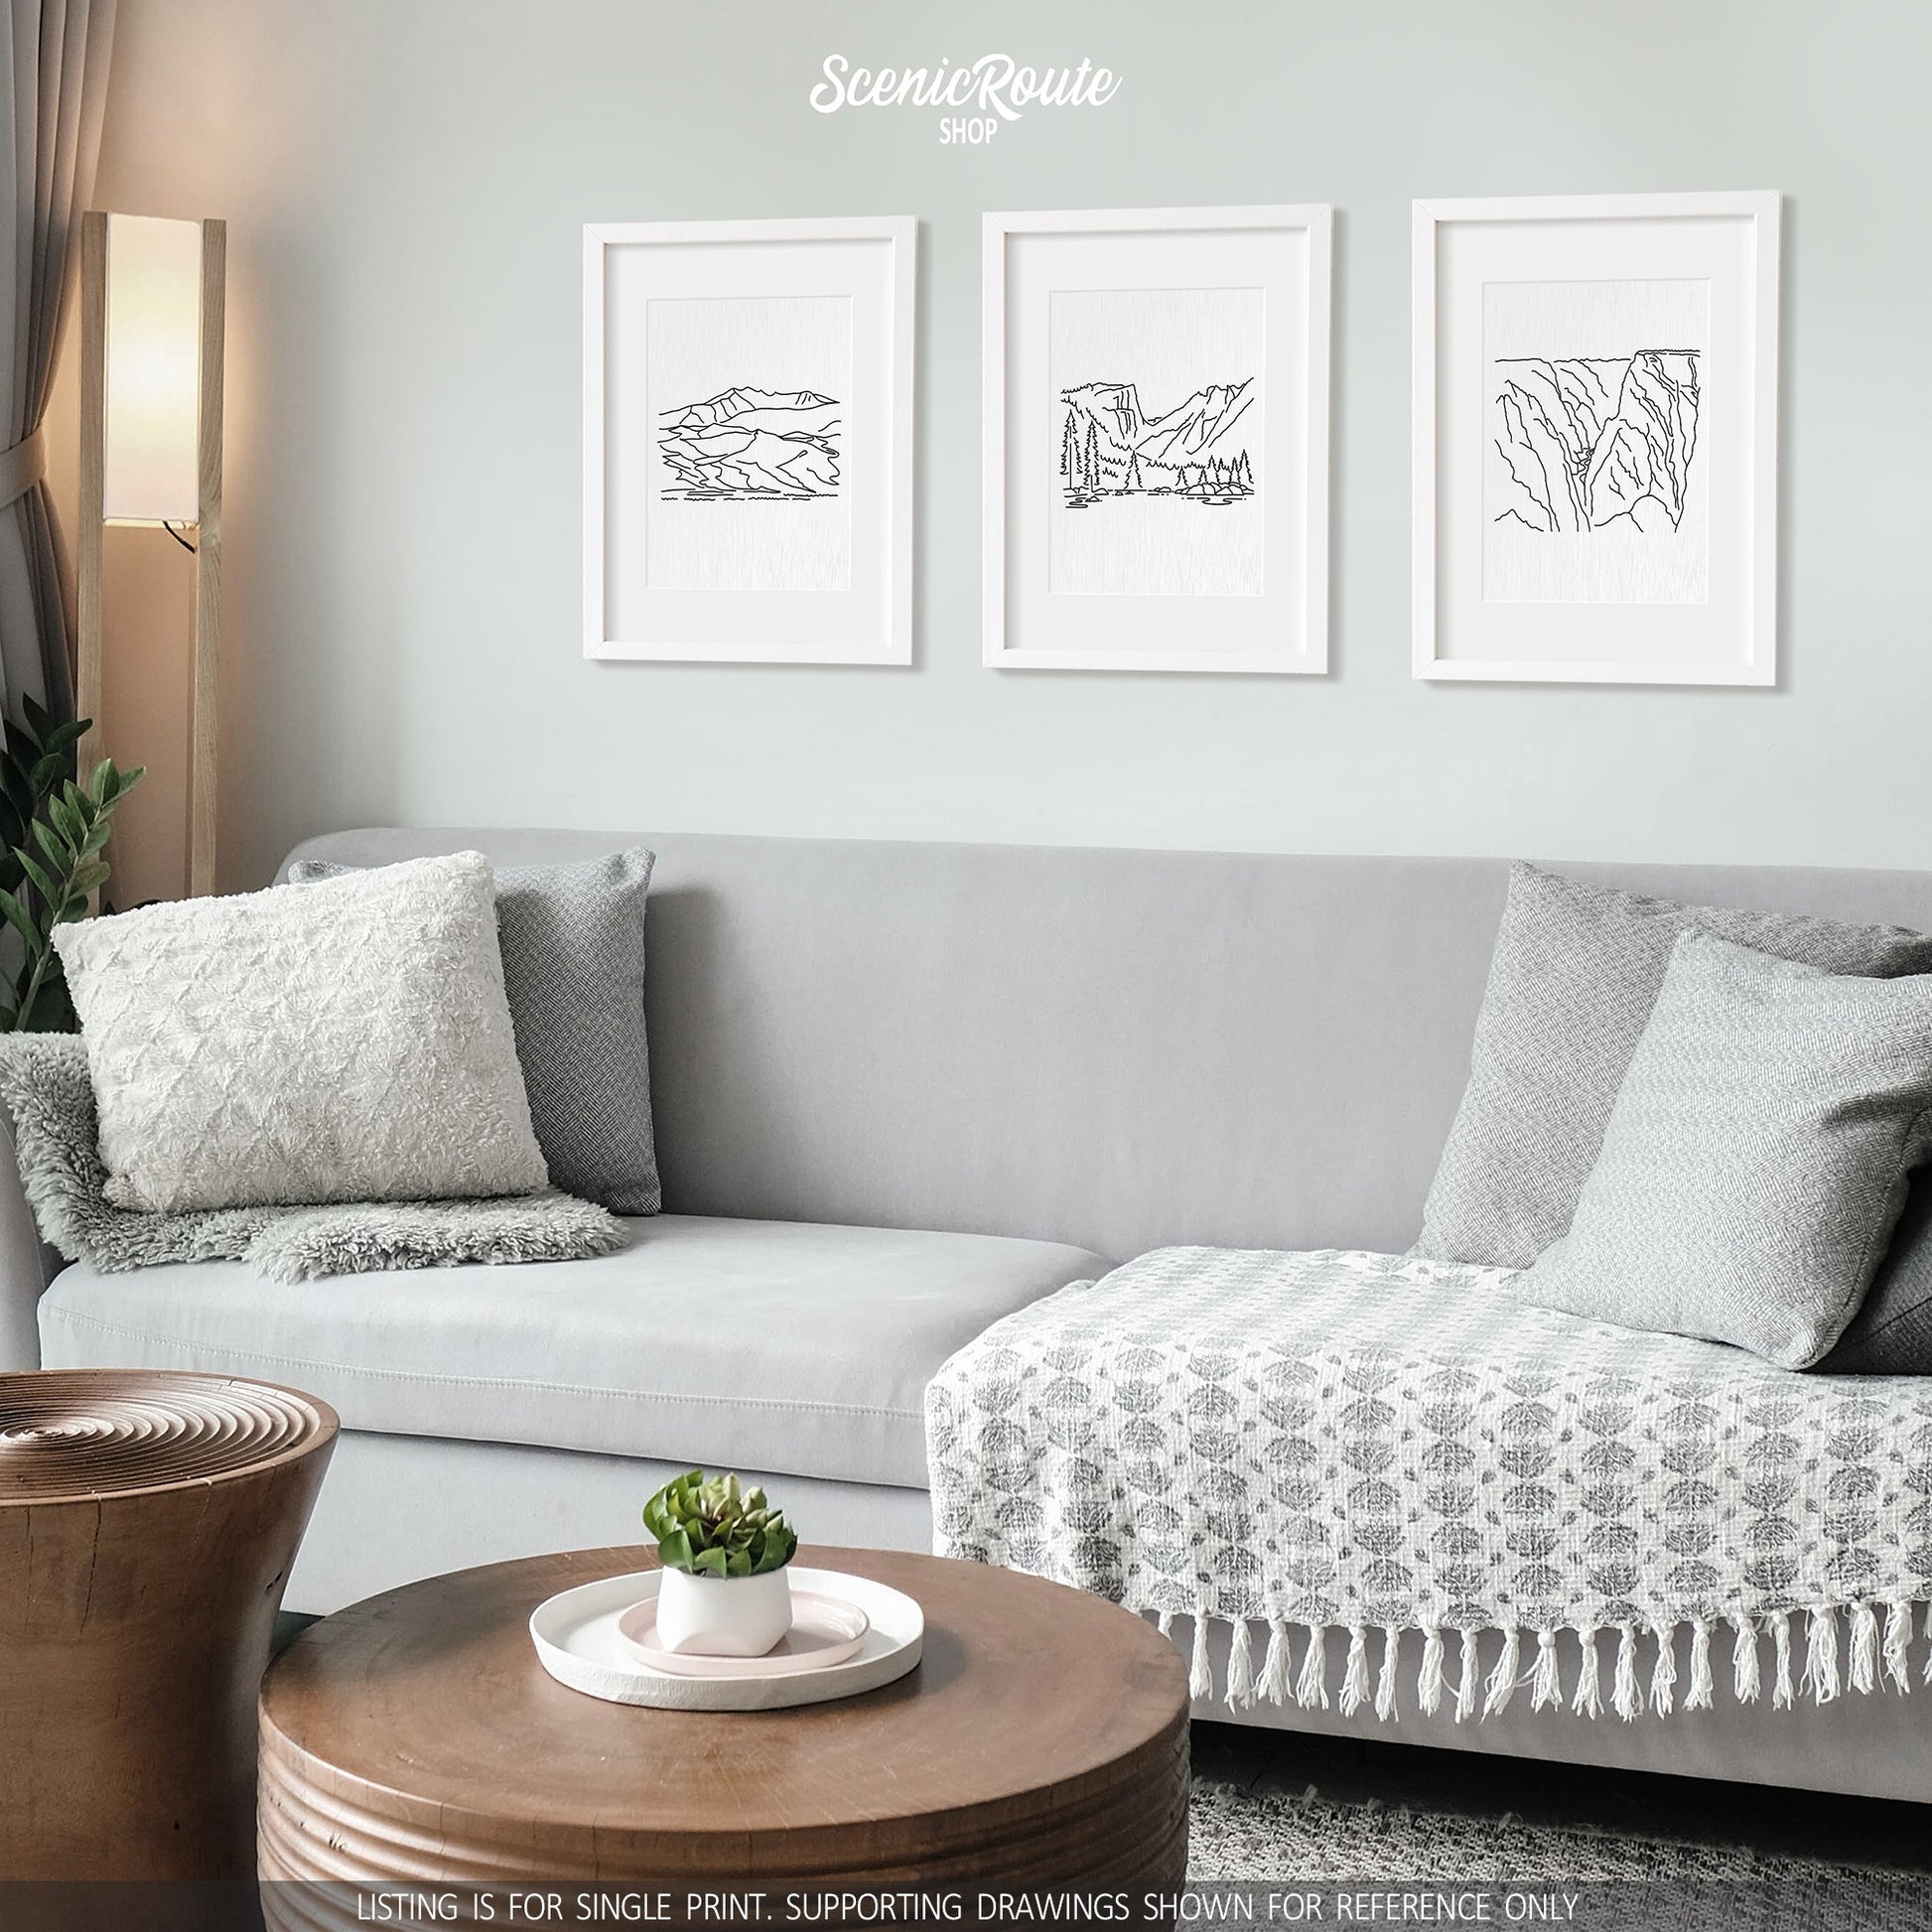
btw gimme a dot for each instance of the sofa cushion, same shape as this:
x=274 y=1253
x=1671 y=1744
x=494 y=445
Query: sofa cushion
x=793 y=1347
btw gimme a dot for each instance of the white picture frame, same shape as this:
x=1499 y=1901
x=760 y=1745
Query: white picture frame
x=1594 y=453
x=1211 y=311
x=747 y=441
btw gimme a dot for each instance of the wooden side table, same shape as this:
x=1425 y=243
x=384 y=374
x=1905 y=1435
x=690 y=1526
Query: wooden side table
x=148 y=1523
x=1042 y=1740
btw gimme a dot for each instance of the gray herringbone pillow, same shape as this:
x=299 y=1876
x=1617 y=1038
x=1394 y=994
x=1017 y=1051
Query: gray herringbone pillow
x=1574 y=975
x=573 y=946
x=1756 y=1158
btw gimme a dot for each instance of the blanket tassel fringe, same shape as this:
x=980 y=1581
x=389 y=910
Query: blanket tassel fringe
x=1626 y=1698
x=1200 y=1676
x=1898 y=1643
x=1820 y=1657
x=1701 y=1690
x=1385 y=1684
x=1429 y=1685
x=1546 y=1684
x=1873 y=1652
x=1663 y=1679
x=1865 y=1647
x=1466 y=1688
x=1589 y=1701
x=1354 y=1674
x=1503 y=1679
x=1276 y=1682
x=1744 y=1658
x=1313 y=1687
x=1241 y=1669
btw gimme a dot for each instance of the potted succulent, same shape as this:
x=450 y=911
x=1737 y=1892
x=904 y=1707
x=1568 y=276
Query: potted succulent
x=723 y=1591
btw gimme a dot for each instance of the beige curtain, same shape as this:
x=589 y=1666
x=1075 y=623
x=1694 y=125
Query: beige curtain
x=53 y=87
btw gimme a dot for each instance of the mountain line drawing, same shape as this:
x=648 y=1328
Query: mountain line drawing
x=751 y=446
x=1593 y=442
x=1110 y=447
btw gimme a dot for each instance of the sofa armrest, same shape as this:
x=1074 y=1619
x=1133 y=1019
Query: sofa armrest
x=25 y=1264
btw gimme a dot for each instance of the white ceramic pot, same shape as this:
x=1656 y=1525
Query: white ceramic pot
x=722 y=1616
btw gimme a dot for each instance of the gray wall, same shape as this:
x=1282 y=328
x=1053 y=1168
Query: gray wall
x=405 y=185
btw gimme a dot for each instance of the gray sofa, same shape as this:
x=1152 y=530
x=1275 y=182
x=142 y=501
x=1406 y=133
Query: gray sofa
x=899 y=1090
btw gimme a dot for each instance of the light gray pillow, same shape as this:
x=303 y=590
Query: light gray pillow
x=573 y=945
x=347 y=1043
x=1574 y=975
x=1757 y=1156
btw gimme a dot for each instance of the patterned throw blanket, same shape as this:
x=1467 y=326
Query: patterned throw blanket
x=1299 y=1442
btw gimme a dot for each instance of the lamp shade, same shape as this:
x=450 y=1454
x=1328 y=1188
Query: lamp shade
x=153 y=370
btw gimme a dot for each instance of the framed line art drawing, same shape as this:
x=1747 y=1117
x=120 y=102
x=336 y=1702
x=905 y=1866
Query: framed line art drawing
x=1596 y=438
x=747 y=441
x=1155 y=439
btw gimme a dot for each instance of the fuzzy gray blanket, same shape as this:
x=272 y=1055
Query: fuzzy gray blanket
x=45 y=1086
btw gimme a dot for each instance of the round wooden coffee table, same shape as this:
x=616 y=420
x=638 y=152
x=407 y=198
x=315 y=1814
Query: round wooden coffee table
x=1042 y=1740
x=148 y=1522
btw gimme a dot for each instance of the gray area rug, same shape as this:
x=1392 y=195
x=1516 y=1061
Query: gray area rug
x=1238 y=1833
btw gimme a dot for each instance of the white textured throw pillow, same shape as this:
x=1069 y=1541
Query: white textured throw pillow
x=350 y=1041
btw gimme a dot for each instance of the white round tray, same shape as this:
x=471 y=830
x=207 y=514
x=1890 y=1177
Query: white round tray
x=577 y=1641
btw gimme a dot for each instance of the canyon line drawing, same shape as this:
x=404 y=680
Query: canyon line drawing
x=1593 y=443
x=746 y=445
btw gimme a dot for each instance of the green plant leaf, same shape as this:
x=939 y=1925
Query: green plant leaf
x=43 y=885
x=110 y=784
x=60 y=854
x=43 y=807
x=22 y=922
x=71 y=823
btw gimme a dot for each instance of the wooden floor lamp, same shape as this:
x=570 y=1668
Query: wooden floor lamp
x=152 y=295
